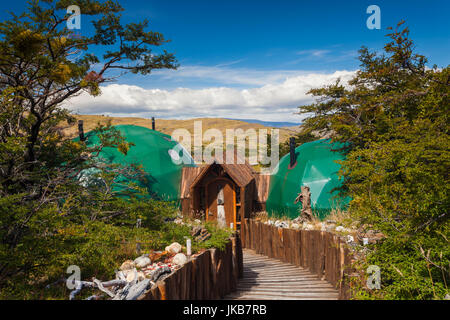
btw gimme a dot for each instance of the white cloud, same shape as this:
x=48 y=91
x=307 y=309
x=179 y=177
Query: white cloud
x=314 y=53
x=275 y=98
x=227 y=76
x=324 y=56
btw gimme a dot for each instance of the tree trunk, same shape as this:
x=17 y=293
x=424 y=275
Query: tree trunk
x=305 y=197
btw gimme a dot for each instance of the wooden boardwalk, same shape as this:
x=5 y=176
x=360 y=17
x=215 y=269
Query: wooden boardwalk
x=270 y=279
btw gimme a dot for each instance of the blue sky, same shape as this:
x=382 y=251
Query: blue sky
x=244 y=59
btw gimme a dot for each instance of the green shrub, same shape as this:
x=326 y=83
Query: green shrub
x=393 y=122
x=219 y=237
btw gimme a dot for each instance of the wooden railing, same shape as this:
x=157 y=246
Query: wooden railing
x=210 y=275
x=323 y=253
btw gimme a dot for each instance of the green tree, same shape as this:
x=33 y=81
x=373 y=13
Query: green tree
x=299 y=139
x=46 y=215
x=393 y=120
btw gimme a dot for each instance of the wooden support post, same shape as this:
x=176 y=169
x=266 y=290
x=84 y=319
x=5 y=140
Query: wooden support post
x=292 y=157
x=138 y=244
x=162 y=290
x=81 y=130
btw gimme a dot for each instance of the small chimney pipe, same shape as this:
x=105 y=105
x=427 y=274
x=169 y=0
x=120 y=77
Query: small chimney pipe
x=81 y=130
x=292 y=152
x=153 y=123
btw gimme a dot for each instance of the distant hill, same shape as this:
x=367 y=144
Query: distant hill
x=272 y=124
x=167 y=126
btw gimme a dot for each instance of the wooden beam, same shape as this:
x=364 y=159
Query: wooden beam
x=292 y=158
x=81 y=130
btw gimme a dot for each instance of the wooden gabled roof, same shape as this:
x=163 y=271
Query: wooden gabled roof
x=237 y=168
x=242 y=174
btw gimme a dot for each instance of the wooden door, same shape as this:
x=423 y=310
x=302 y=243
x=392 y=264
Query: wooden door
x=213 y=189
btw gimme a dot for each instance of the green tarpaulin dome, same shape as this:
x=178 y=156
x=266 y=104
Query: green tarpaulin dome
x=315 y=168
x=161 y=157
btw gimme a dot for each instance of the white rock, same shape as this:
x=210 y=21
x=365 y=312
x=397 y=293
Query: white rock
x=120 y=275
x=141 y=276
x=142 y=262
x=130 y=275
x=197 y=221
x=295 y=226
x=124 y=273
x=350 y=239
x=340 y=229
x=127 y=265
x=297 y=220
x=179 y=259
x=307 y=226
x=174 y=248
x=281 y=224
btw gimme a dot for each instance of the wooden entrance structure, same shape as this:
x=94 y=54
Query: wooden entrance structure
x=201 y=191
x=221 y=191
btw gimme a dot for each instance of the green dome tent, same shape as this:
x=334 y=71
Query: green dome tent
x=315 y=168
x=161 y=157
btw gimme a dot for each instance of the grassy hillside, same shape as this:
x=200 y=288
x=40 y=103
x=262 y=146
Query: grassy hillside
x=168 y=126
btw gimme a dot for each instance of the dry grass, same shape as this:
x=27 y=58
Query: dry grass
x=168 y=126
x=341 y=217
x=262 y=216
x=337 y=217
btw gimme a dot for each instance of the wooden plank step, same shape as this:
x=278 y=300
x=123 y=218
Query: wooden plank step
x=250 y=297
x=266 y=278
x=274 y=269
x=290 y=295
x=284 y=290
x=284 y=286
x=280 y=280
x=264 y=269
x=281 y=273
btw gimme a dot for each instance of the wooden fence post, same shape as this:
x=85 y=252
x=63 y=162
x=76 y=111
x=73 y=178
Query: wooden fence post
x=81 y=130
